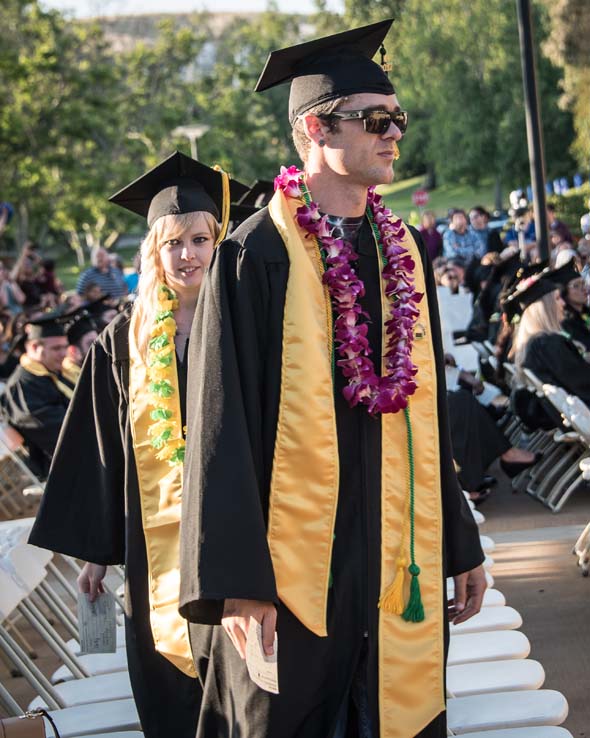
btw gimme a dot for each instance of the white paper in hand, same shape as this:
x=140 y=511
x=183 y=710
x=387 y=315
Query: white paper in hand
x=262 y=669
x=97 y=625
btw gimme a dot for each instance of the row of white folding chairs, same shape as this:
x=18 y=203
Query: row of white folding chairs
x=488 y=671
x=23 y=575
x=557 y=475
x=477 y=672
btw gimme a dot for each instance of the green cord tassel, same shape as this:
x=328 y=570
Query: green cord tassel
x=414 y=612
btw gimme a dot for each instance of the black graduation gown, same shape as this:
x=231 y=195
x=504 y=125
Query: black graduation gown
x=476 y=439
x=36 y=408
x=577 y=328
x=233 y=401
x=91 y=510
x=556 y=360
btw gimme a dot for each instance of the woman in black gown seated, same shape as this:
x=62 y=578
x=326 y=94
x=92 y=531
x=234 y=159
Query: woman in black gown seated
x=576 y=321
x=541 y=345
x=114 y=491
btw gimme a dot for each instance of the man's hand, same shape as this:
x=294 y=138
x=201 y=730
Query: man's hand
x=469 y=591
x=236 y=622
x=90 y=580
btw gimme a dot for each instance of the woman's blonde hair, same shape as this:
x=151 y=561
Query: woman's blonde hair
x=540 y=317
x=151 y=274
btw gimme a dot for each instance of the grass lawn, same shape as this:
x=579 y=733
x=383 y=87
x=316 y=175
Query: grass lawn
x=398 y=196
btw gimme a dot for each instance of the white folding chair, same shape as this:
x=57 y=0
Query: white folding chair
x=487 y=544
x=489 y=619
x=464 y=680
x=491 y=646
x=498 y=710
x=541 y=731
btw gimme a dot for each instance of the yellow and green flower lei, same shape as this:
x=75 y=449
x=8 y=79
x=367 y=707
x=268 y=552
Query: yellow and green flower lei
x=165 y=432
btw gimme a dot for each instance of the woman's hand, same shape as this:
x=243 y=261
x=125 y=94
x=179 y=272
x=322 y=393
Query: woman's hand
x=90 y=580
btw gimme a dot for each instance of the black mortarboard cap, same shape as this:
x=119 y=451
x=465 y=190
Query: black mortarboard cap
x=238 y=213
x=97 y=307
x=564 y=274
x=259 y=194
x=78 y=323
x=524 y=272
x=46 y=326
x=328 y=68
x=531 y=290
x=177 y=185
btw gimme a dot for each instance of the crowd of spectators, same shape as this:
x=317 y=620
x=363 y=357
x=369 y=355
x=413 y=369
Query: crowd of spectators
x=493 y=287
x=45 y=334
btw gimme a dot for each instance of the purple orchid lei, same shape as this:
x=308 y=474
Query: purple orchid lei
x=389 y=393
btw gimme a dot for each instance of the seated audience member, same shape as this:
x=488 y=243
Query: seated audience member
x=540 y=343
x=70 y=301
x=81 y=334
x=12 y=297
x=489 y=238
x=459 y=241
x=584 y=242
x=108 y=278
x=47 y=279
x=576 y=321
x=523 y=224
x=132 y=277
x=567 y=255
x=24 y=273
x=37 y=395
x=102 y=311
x=430 y=235
x=91 y=293
x=557 y=226
x=476 y=439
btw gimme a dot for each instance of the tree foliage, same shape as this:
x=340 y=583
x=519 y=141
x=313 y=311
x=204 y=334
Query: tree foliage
x=81 y=117
x=457 y=70
x=567 y=46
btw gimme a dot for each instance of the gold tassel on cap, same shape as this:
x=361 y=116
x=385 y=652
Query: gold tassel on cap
x=226 y=204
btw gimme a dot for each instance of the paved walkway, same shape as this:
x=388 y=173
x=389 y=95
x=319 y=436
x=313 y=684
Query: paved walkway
x=537 y=573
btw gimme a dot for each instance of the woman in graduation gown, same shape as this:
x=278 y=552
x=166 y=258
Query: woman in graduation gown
x=113 y=494
x=542 y=346
x=576 y=321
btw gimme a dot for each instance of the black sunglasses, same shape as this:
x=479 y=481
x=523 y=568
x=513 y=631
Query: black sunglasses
x=374 y=121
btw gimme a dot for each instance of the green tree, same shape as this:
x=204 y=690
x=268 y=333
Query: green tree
x=79 y=120
x=456 y=67
x=250 y=132
x=567 y=46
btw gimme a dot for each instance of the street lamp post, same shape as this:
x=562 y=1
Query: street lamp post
x=193 y=133
x=533 y=124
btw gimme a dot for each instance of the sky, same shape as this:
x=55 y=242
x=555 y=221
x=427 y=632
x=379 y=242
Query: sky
x=85 y=8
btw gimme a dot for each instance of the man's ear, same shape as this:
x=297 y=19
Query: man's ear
x=315 y=128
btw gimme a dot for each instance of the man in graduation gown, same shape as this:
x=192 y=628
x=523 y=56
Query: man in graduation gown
x=37 y=394
x=81 y=333
x=331 y=524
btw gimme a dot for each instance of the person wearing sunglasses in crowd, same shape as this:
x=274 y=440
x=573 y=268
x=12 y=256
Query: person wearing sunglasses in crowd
x=316 y=384
x=113 y=494
x=574 y=292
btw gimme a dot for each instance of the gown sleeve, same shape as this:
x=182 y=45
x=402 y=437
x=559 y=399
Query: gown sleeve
x=37 y=409
x=82 y=511
x=461 y=537
x=224 y=550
